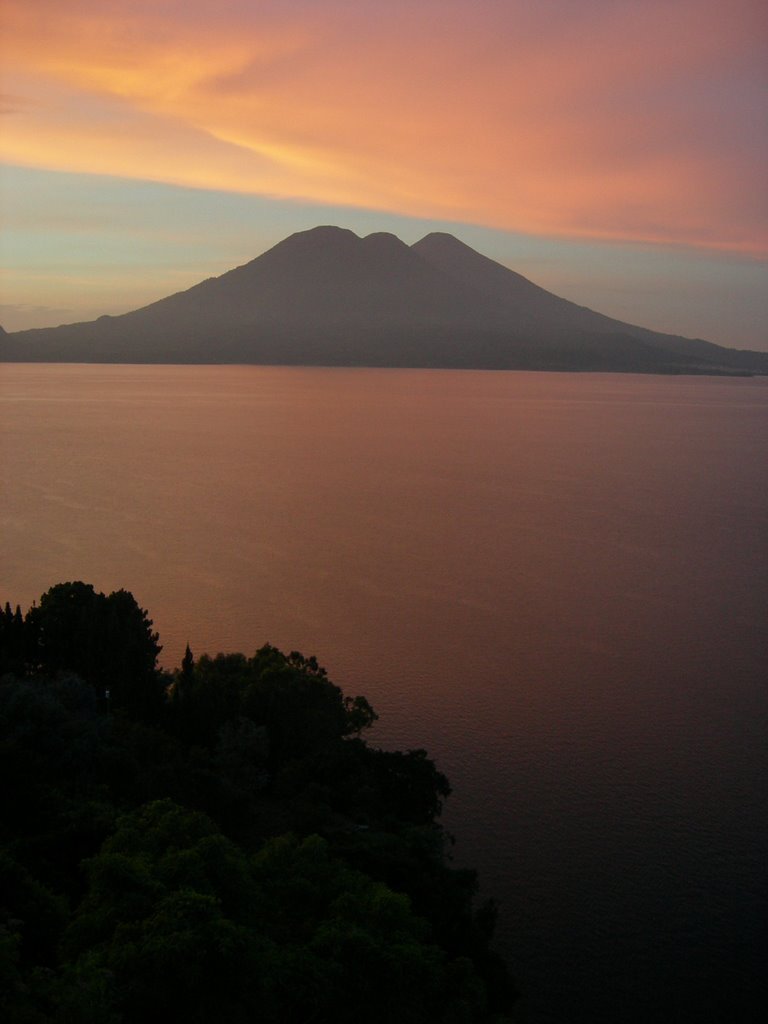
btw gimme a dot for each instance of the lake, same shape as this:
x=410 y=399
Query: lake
x=556 y=583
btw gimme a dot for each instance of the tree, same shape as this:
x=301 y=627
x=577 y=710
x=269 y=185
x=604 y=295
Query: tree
x=303 y=711
x=187 y=926
x=289 y=695
x=13 y=641
x=187 y=664
x=181 y=919
x=108 y=641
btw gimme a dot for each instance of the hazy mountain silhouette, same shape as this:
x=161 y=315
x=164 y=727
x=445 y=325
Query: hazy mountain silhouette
x=327 y=297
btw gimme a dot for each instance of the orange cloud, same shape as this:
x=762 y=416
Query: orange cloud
x=618 y=121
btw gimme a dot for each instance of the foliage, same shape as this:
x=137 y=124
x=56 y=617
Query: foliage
x=185 y=924
x=289 y=695
x=105 y=640
x=219 y=843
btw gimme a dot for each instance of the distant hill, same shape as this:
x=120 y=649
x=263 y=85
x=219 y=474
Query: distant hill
x=327 y=297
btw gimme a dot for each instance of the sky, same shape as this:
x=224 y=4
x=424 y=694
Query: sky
x=613 y=151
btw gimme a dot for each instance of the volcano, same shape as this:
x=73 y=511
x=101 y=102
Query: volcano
x=326 y=297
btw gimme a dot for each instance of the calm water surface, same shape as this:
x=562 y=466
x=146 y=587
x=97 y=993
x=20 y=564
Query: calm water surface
x=556 y=583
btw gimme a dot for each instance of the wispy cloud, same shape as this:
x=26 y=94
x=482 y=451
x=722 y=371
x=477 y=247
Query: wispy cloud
x=573 y=119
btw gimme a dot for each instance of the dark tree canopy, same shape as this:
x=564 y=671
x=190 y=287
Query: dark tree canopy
x=13 y=640
x=186 y=925
x=105 y=639
x=290 y=695
x=217 y=843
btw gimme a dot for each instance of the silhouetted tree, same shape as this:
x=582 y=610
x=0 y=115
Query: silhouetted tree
x=187 y=926
x=106 y=640
x=13 y=641
x=187 y=664
x=216 y=915
x=291 y=696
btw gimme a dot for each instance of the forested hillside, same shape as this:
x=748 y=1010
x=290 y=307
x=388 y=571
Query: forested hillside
x=218 y=843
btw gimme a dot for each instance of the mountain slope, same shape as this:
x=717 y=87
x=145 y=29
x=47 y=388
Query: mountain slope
x=328 y=297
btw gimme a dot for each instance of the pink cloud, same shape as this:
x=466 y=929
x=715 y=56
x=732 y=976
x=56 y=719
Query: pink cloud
x=578 y=119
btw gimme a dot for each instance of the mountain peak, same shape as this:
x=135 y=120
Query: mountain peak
x=328 y=297
x=326 y=240
x=323 y=233
x=384 y=240
x=438 y=236
x=440 y=241
x=320 y=237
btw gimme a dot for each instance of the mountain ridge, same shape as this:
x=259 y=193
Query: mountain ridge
x=329 y=297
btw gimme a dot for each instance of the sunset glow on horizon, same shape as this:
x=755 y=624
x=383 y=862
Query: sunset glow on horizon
x=573 y=124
